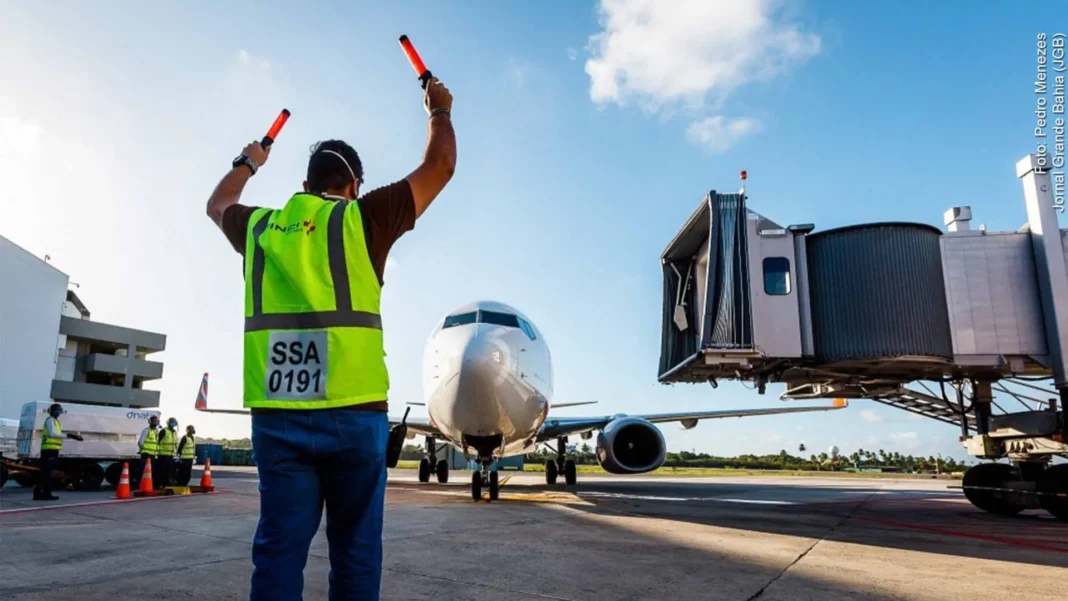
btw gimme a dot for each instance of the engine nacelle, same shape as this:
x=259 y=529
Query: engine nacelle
x=630 y=445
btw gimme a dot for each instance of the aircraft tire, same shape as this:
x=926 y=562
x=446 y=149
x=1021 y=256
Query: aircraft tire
x=476 y=485
x=570 y=472
x=442 y=470
x=424 y=470
x=494 y=487
x=550 y=472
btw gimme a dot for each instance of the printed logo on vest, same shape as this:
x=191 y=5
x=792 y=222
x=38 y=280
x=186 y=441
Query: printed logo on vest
x=306 y=226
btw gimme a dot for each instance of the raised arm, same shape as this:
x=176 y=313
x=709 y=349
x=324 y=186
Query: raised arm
x=439 y=160
x=228 y=191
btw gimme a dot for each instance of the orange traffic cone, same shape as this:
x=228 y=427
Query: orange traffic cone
x=123 y=490
x=146 y=478
x=205 y=478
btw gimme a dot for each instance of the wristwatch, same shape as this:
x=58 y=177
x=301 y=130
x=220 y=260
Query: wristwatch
x=244 y=160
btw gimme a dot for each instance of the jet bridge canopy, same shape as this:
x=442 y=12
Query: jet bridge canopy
x=866 y=307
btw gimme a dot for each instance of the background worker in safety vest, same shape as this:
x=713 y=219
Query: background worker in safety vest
x=148 y=443
x=314 y=364
x=51 y=443
x=187 y=451
x=163 y=468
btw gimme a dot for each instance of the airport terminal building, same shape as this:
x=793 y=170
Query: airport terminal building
x=50 y=349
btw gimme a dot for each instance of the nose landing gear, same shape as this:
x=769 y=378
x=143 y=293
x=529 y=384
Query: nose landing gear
x=485 y=478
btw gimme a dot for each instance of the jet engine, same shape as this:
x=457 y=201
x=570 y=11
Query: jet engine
x=630 y=445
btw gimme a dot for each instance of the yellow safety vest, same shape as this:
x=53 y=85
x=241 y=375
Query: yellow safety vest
x=189 y=450
x=313 y=331
x=150 y=445
x=49 y=443
x=168 y=443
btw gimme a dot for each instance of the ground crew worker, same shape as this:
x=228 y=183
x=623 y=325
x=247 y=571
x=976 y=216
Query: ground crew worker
x=314 y=365
x=163 y=468
x=148 y=442
x=187 y=451
x=51 y=443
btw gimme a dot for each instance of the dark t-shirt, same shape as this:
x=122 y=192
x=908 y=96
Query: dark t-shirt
x=387 y=212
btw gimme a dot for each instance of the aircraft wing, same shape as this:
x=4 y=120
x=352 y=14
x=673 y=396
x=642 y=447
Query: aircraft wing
x=564 y=426
x=418 y=425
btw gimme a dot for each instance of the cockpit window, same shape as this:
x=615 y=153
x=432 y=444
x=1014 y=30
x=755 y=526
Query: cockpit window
x=527 y=329
x=491 y=317
x=458 y=320
x=500 y=319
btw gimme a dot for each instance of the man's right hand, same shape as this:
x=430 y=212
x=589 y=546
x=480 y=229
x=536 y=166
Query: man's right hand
x=257 y=153
x=437 y=96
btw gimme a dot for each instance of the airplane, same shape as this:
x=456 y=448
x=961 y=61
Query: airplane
x=488 y=387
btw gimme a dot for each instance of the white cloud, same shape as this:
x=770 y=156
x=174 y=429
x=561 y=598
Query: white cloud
x=915 y=417
x=572 y=54
x=392 y=264
x=871 y=416
x=246 y=58
x=903 y=436
x=717 y=134
x=659 y=53
x=518 y=72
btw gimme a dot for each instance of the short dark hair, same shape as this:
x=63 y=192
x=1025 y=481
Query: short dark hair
x=328 y=172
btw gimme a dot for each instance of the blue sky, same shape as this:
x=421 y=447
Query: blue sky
x=116 y=122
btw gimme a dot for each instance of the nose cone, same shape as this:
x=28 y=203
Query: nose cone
x=480 y=376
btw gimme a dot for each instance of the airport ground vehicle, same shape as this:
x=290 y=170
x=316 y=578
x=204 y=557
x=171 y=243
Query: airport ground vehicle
x=953 y=326
x=110 y=435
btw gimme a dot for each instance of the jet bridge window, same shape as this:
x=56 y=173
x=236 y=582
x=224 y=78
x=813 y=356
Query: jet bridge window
x=500 y=319
x=776 y=276
x=458 y=320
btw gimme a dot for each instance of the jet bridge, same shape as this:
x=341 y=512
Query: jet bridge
x=968 y=327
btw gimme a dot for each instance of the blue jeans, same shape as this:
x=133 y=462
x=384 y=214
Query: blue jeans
x=306 y=458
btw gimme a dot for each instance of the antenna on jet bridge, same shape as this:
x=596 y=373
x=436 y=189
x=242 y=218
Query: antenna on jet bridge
x=743 y=176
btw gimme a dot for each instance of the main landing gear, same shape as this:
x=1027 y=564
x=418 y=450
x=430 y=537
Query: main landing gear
x=430 y=463
x=485 y=478
x=561 y=466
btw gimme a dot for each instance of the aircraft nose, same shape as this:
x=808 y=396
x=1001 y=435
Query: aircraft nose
x=483 y=365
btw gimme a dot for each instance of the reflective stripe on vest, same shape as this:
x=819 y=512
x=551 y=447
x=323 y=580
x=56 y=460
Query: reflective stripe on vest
x=150 y=446
x=49 y=443
x=168 y=443
x=313 y=331
x=189 y=449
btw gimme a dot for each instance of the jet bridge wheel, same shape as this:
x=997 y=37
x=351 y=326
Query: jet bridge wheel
x=992 y=475
x=476 y=485
x=443 y=471
x=424 y=470
x=1054 y=481
x=570 y=472
x=550 y=472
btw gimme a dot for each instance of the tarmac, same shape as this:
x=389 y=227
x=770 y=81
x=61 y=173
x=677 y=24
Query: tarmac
x=607 y=538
